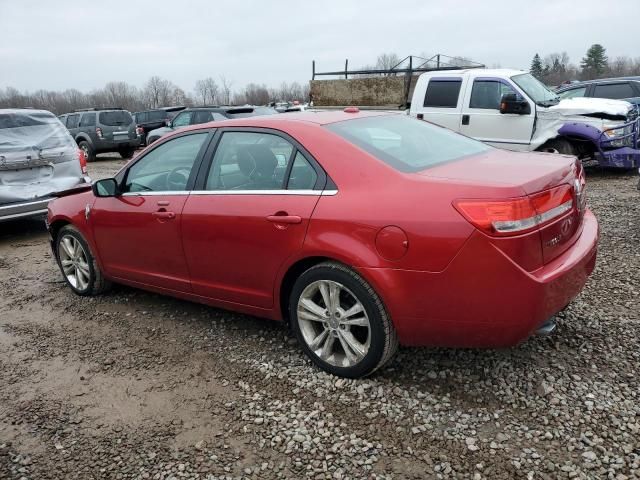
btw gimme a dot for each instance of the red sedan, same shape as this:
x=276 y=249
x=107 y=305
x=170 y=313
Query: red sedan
x=361 y=230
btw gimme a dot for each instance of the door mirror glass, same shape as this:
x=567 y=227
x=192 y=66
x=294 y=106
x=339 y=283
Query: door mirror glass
x=509 y=103
x=107 y=187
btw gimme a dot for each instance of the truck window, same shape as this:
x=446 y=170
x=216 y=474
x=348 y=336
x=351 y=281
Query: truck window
x=488 y=93
x=442 y=93
x=88 y=120
x=614 y=90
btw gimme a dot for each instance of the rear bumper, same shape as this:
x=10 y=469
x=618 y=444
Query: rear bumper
x=24 y=209
x=113 y=146
x=483 y=299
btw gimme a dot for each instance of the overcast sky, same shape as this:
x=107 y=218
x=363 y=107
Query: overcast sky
x=59 y=44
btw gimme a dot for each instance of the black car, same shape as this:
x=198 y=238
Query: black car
x=101 y=130
x=196 y=115
x=151 y=119
x=623 y=88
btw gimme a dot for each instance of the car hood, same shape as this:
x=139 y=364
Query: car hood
x=593 y=107
x=160 y=131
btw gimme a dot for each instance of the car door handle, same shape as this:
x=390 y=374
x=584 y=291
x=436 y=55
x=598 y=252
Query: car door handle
x=164 y=215
x=288 y=219
x=465 y=119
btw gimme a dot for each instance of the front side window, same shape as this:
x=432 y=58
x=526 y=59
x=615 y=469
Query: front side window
x=203 y=116
x=249 y=161
x=614 y=90
x=486 y=94
x=72 y=121
x=182 y=120
x=88 y=120
x=407 y=144
x=573 y=93
x=442 y=93
x=167 y=167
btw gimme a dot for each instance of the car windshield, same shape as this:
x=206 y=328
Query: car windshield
x=536 y=90
x=407 y=144
x=115 y=118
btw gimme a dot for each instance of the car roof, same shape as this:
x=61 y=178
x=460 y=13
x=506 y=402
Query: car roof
x=598 y=81
x=25 y=111
x=313 y=117
x=477 y=72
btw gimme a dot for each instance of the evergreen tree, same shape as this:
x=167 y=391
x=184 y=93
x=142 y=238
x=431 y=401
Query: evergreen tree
x=536 y=67
x=595 y=61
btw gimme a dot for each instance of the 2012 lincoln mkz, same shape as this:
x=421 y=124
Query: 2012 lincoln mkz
x=362 y=230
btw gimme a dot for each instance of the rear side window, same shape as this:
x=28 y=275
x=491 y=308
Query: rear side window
x=303 y=176
x=614 y=90
x=88 y=120
x=72 y=121
x=442 y=93
x=115 y=118
x=406 y=144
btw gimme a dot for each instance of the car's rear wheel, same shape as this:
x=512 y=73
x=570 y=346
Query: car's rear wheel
x=89 y=153
x=150 y=140
x=126 y=152
x=340 y=321
x=77 y=263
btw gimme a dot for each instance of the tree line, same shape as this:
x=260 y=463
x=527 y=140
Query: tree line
x=157 y=92
x=557 y=68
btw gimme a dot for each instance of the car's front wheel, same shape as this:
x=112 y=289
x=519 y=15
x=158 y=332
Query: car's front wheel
x=77 y=263
x=340 y=321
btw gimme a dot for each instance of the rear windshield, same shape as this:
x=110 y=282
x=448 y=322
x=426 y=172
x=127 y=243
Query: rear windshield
x=115 y=118
x=157 y=115
x=16 y=120
x=407 y=144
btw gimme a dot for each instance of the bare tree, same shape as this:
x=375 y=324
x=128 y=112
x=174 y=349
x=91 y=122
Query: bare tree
x=157 y=92
x=256 y=94
x=387 y=61
x=225 y=90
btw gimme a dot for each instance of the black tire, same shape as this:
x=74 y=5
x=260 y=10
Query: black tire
x=88 y=150
x=383 y=340
x=96 y=283
x=126 y=152
x=150 y=140
x=559 y=145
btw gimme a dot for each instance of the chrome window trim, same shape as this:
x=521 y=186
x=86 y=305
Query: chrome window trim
x=155 y=194
x=318 y=193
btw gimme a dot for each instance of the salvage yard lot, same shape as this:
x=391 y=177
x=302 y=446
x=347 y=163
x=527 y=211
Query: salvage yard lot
x=136 y=385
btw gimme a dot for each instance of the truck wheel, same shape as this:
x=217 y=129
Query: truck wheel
x=559 y=145
x=89 y=153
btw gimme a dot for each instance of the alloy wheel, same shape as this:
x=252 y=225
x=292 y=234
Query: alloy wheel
x=334 y=323
x=73 y=260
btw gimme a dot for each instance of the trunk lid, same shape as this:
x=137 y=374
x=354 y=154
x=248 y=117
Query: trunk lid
x=533 y=175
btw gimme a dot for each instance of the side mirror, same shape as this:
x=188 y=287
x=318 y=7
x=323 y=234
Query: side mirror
x=107 y=187
x=509 y=103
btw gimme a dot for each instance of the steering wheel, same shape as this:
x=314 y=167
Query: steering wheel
x=177 y=178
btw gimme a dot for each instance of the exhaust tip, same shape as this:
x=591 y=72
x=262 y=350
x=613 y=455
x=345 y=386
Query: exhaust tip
x=546 y=328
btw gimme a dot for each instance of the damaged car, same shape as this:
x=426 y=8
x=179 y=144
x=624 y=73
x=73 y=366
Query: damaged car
x=511 y=109
x=38 y=159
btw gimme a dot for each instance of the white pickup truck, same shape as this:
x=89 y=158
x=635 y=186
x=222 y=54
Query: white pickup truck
x=511 y=109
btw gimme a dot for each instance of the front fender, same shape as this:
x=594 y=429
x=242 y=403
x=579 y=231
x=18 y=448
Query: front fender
x=582 y=131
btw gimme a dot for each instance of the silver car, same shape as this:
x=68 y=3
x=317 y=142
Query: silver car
x=38 y=158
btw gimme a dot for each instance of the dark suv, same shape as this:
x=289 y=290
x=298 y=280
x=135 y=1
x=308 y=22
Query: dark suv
x=623 y=88
x=97 y=130
x=196 y=115
x=151 y=119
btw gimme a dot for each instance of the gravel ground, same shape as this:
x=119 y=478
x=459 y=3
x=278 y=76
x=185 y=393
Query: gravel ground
x=135 y=385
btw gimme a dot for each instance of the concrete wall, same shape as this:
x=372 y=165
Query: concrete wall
x=374 y=91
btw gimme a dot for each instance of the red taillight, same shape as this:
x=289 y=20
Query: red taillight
x=83 y=161
x=514 y=216
x=99 y=132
